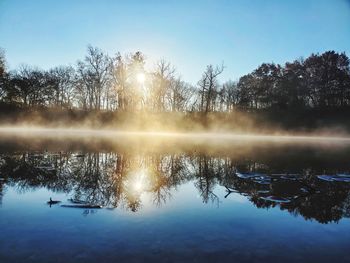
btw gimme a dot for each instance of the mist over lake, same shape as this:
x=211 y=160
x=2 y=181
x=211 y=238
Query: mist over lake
x=174 y=131
x=138 y=197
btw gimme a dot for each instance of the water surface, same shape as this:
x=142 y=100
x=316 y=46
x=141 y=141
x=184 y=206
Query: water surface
x=173 y=200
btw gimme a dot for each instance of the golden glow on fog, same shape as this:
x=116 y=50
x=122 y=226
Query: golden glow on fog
x=207 y=136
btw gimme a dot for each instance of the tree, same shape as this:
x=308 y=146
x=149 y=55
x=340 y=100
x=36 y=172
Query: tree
x=99 y=82
x=293 y=91
x=321 y=81
x=3 y=74
x=120 y=77
x=28 y=86
x=94 y=73
x=136 y=92
x=229 y=96
x=327 y=78
x=62 y=81
x=163 y=78
x=179 y=94
x=246 y=90
x=267 y=85
x=208 y=85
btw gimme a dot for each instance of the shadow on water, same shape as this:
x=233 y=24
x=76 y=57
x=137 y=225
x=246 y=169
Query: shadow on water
x=115 y=173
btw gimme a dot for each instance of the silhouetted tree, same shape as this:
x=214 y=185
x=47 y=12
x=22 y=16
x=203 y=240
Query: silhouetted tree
x=136 y=90
x=162 y=78
x=29 y=87
x=293 y=86
x=3 y=74
x=179 y=95
x=246 y=91
x=327 y=77
x=94 y=74
x=208 y=86
x=62 y=82
x=320 y=81
x=120 y=76
x=229 y=96
x=121 y=83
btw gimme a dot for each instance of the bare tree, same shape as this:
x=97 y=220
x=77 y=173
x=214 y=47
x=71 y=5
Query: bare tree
x=228 y=96
x=62 y=81
x=94 y=73
x=136 y=92
x=3 y=74
x=208 y=85
x=163 y=75
x=179 y=94
x=120 y=77
x=29 y=87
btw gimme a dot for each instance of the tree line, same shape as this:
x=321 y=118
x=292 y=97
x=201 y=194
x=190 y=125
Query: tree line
x=121 y=83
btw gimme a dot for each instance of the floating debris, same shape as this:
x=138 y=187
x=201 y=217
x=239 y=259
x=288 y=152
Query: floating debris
x=304 y=190
x=53 y=202
x=263 y=191
x=276 y=199
x=342 y=179
x=335 y=178
x=264 y=179
x=292 y=177
x=83 y=206
x=327 y=178
x=77 y=201
x=343 y=175
x=248 y=175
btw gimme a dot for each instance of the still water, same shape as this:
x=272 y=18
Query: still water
x=173 y=200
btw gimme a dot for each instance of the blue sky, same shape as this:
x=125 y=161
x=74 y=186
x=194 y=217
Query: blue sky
x=190 y=34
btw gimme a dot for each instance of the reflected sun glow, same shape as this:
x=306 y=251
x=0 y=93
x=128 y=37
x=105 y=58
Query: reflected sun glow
x=139 y=181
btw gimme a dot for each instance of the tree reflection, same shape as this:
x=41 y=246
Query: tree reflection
x=2 y=190
x=123 y=179
x=207 y=171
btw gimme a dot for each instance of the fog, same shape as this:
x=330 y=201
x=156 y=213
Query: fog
x=113 y=134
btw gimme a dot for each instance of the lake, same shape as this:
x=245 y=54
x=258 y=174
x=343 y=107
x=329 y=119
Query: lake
x=158 y=198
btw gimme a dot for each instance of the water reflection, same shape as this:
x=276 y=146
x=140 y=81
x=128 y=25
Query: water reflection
x=284 y=177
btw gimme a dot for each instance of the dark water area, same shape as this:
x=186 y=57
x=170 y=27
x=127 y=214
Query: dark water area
x=150 y=200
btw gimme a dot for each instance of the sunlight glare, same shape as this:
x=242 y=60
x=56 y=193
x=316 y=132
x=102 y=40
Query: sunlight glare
x=141 y=78
x=139 y=181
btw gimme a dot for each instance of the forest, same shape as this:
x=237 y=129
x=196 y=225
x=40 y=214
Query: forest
x=315 y=86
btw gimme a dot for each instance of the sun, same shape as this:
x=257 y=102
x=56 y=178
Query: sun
x=140 y=77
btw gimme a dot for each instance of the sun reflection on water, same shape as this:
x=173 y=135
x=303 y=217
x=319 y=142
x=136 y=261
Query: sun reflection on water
x=139 y=181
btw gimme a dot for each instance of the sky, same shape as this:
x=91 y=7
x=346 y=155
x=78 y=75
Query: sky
x=190 y=34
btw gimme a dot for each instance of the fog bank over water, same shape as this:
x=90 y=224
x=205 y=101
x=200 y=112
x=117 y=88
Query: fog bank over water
x=28 y=131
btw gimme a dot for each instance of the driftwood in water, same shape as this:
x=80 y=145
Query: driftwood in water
x=77 y=201
x=52 y=202
x=85 y=206
x=229 y=191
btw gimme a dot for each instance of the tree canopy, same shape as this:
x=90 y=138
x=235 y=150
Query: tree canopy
x=121 y=83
